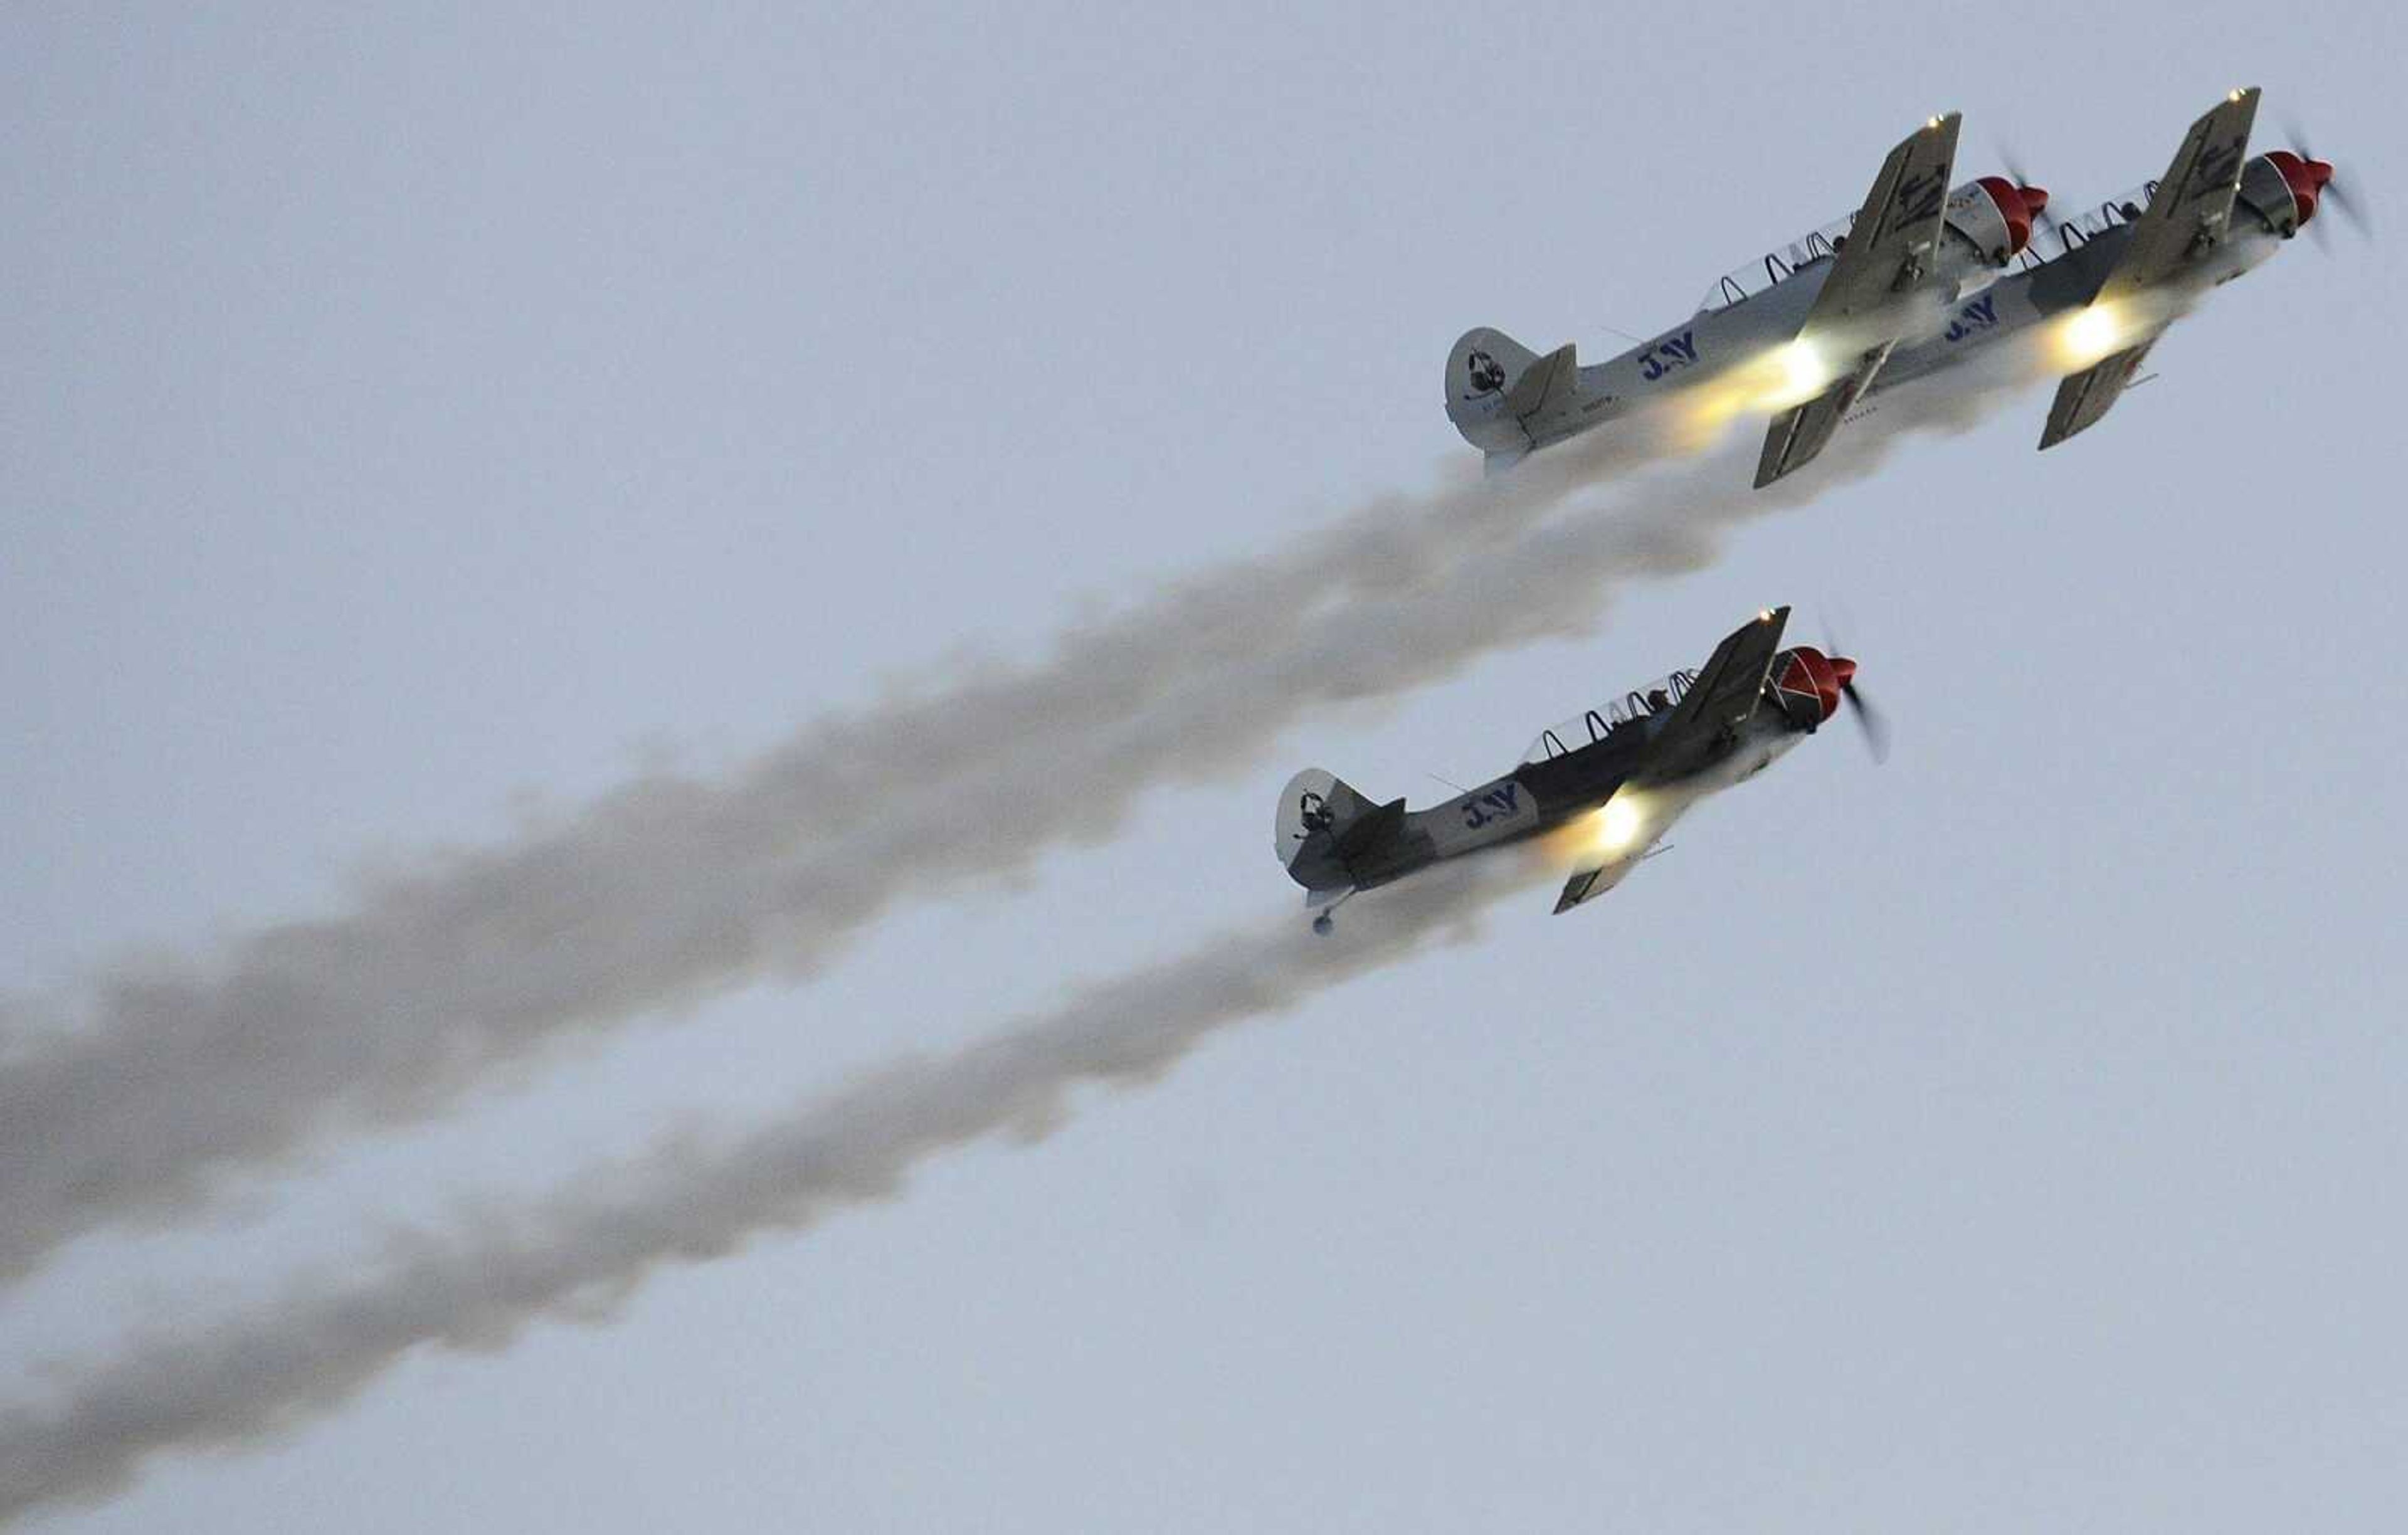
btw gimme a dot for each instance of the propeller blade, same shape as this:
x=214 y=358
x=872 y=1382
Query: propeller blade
x=2334 y=194
x=1868 y=719
x=2348 y=207
x=2016 y=172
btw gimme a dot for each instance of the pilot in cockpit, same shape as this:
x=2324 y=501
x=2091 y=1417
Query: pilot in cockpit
x=1657 y=701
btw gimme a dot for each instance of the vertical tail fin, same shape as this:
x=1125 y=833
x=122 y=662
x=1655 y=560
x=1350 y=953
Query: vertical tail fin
x=1316 y=811
x=1495 y=386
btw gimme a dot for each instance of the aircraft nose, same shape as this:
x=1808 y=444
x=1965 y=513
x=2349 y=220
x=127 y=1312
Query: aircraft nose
x=1844 y=671
x=2306 y=179
x=2018 y=205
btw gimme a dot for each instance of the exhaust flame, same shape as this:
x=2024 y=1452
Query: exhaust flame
x=1617 y=825
x=2109 y=325
x=1621 y=826
x=1784 y=376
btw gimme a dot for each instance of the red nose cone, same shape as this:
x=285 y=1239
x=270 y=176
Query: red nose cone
x=2017 y=204
x=1844 y=671
x=2305 y=178
x=1811 y=673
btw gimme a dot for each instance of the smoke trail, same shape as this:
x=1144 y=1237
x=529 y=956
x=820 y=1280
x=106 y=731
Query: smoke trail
x=672 y=889
x=581 y=1251
x=573 y=1255
x=664 y=891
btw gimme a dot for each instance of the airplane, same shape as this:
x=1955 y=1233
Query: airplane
x=2124 y=270
x=1605 y=787
x=1802 y=332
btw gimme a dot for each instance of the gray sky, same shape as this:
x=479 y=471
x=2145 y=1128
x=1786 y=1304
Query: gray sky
x=416 y=429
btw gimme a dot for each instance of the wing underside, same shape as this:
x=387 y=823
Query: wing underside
x=2193 y=204
x=2186 y=217
x=2083 y=397
x=1889 y=247
x=1725 y=693
x=1588 y=884
x=1728 y=690
x=1800 y=433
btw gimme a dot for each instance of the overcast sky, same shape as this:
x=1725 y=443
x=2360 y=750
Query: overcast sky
x=411 y=430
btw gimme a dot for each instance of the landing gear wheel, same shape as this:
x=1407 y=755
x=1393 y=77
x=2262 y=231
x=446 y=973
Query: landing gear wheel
x=1323 y=925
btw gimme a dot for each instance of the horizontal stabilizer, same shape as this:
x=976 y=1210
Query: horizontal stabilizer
x=1548 y=382
x=1324 y=826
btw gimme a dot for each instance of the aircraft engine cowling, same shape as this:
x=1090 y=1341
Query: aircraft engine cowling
x=1807 y=685
x=1991 y=219
x=2016 y=208
x=2283 y=189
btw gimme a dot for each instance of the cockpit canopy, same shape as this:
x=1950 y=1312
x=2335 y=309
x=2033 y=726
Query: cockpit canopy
x=1742 y=284
x=1973 y=213
x=1588 y=728
x=2123 y=209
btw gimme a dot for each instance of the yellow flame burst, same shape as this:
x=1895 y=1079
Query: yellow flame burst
x=1786 y=375
x=1605 y=835
x=2089 y=335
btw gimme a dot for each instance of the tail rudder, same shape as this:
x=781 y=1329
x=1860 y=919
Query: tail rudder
x=1314 y=811
x=1495 y=385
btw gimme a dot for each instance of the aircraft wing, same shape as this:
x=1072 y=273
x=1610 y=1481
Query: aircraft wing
x=2185 y=217
x=1589 y=883
x=1719 y=701
x=1889 y=247
x=2188 y=212
x=2083 y=397
x=1802 y=431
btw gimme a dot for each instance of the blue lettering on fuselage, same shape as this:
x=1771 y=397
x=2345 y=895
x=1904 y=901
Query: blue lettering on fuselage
x=1501 y=803
x=1974 y=318
x=1673 y=351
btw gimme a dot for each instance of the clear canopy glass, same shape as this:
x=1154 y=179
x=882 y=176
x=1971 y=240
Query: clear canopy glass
x=1742 y=284
x=1593 y=725
x=2088 y=225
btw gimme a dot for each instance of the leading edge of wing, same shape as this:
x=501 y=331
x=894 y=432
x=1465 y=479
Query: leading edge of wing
x=1897 y=226
x=2193 y=202
x=1722 y=699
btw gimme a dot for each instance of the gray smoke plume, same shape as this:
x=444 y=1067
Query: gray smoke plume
x=581 y=1251
x=302 y=1352
x=134 y=1103
x=672 y=888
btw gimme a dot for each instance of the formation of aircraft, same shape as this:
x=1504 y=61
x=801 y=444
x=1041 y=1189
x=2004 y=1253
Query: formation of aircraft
x=1918 y=279
x=1605 y=787
x=1912 y=283
x=2123 y=270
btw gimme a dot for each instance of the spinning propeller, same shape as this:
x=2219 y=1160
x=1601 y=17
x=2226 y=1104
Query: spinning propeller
x=1868 y=719
x=2016 y=172
x=2327 y=189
